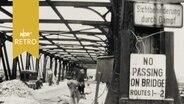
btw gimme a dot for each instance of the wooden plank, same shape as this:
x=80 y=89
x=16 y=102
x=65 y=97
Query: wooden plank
x=105 y=66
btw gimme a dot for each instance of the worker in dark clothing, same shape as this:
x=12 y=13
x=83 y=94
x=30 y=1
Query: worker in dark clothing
x=81 y=77
x=39 y=83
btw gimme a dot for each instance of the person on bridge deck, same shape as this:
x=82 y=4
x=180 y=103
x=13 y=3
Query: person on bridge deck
x=80 y=79
x=74 y=93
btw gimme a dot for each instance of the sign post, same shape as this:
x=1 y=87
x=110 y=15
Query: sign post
x=158 y=15
x=147 y=77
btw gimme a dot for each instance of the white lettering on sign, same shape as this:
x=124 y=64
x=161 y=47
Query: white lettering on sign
x=158 y=15
x=147 y=77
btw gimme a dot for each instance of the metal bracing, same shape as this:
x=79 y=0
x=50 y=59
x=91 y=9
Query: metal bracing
x=60 y=68
x=73 y=48
x=66 y=23
x=55 y=69
x=3 y=60
x=14 y=68
x=19 y=66
x=92 y=47
x=28 y=61
x=51 y=62
x=52 y=32
x=37 y=65
x=78 y=39
x=21 y=61
x=67 y=3
x=44 y=67
x=98 y=13
x=6 y=12
x=57 y=21
x=5 y=55
x=59 y=47
x=72 y=45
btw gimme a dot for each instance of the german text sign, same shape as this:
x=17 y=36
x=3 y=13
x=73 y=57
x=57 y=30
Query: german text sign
x=158 y=15
x=147 y=77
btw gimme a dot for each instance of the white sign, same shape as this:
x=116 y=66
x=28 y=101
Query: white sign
x=147 y=77
x=158 y=15
x=158 y=1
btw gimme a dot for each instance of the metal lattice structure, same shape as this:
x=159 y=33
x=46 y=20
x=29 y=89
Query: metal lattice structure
x=68 y=28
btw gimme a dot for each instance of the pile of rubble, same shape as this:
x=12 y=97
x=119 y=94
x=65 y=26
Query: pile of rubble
x=15 y=88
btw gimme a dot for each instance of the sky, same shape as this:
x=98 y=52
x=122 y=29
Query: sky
x=178 y=52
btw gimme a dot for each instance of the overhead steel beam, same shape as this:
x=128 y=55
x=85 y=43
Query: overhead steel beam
x=78 y=52
x=76 y=32
x=71 y=45
x=52 y=5
x=56 y=21
x=67 y=3
x=55 y=44
x=6 y=12
x=5 y=37
x=52 y=32
x=73 y=48
x=59 y=39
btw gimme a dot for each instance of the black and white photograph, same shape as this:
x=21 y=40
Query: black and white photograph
x=91 y=52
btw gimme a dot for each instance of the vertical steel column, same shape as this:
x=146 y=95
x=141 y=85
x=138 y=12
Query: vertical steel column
x=116 y=25
x=6 y=59
x=67 y=68
x=37 y=65
x=14 y=69
x=31 y=60
x=59 y=74
x=125 y=64
x=44 y=67
x=3 y=60
x=55 y=70
x=27 y=61
x=19 y=66
x=21 y=61
x=63 y=70
x=51 y=57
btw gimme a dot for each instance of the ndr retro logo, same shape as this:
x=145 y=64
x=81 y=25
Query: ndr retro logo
x=25 y=39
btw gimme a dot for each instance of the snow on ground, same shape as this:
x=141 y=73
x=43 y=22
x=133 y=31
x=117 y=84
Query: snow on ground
x=58 y=94
x=16 y=92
